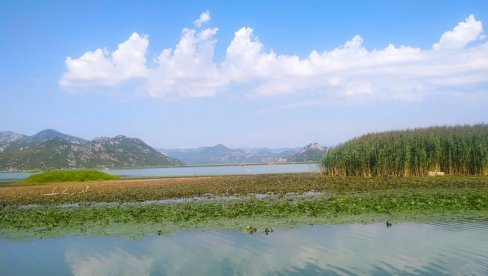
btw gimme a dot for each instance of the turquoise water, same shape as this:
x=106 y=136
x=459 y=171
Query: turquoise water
x=451 y=248
x=194 y=171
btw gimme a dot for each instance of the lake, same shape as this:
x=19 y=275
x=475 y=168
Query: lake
x=194 y=171
x=449 y=248
x=216 y=170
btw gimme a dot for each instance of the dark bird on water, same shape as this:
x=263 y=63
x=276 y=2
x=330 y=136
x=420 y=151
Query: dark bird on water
x=388 y=224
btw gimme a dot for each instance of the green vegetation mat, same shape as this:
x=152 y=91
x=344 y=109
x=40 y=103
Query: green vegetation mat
x=113 y=207
x=68 y=176
x=280 y=184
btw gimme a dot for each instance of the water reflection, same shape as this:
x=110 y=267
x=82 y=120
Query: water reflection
x=117 y=262
x=446 y=248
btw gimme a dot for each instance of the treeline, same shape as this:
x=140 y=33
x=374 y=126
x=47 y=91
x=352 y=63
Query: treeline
x=453 y=150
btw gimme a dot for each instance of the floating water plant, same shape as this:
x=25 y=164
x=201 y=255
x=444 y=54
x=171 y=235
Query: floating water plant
x=251 y=229
x=260 y=202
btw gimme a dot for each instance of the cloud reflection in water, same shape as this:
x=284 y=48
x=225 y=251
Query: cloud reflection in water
x=357 y=249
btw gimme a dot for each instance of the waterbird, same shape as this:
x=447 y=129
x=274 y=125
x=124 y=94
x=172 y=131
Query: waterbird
x=267 y=230
x=388 y=224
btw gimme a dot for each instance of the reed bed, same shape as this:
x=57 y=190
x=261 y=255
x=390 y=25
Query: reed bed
x=458 y=150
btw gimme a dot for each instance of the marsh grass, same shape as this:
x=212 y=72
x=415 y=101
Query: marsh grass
x=67 y=176
x=456 y=150
x=167 y=188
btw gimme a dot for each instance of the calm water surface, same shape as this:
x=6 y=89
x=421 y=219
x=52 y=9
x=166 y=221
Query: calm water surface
x=451 y=248
x=195 y=171
x=217 y=170
x=13 y=175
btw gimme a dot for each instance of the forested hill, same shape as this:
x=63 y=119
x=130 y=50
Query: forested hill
x=50 y=149
x=452 y=150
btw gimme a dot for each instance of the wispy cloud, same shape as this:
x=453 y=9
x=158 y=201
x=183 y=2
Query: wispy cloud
x=204 y=18
x=457 y=61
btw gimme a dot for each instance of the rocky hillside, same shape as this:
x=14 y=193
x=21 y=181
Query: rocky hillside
x=8 y=136
x=310 y=153
x=50 y=149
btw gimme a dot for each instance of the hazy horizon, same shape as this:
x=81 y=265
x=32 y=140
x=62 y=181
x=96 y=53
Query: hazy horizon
x=269 y=74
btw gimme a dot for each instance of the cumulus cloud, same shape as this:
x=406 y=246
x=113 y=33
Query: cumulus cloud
x=204 y=18
x=100 y=67
x=350 y=70
x=189 y=69
x=464 y=33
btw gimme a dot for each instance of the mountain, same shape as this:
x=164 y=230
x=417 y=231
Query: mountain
x=220 y=154
x=50 y=149
x=49 y=134
x=309 y=153
x=8 y=136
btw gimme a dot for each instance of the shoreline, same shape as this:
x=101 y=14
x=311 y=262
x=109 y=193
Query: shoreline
x=162 y=167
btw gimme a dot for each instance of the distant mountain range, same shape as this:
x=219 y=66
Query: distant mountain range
x=50 y=149
x=221 y=154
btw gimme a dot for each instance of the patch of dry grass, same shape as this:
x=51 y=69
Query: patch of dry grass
x=133 y=190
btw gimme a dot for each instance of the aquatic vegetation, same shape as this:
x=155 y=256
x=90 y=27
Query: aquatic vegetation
x=68 y=176
x=386 y=203
x=288 y=201
x=453 y=150
x=138 y=190
x=251 y=229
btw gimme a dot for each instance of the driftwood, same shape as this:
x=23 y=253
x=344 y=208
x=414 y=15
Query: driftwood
x=436 y=173
x=65 y=192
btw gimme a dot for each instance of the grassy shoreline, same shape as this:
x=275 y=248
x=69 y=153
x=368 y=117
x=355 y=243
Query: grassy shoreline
x=339 y=200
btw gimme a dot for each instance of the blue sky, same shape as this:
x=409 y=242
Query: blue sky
x=249 y=73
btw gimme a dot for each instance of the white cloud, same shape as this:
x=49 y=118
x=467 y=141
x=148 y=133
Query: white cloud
x=189 y=69
x=204 y=18
x=464 y=33
x=101 y=67
x=348 y=71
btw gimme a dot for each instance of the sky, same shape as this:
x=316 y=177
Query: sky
x=181 y=74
